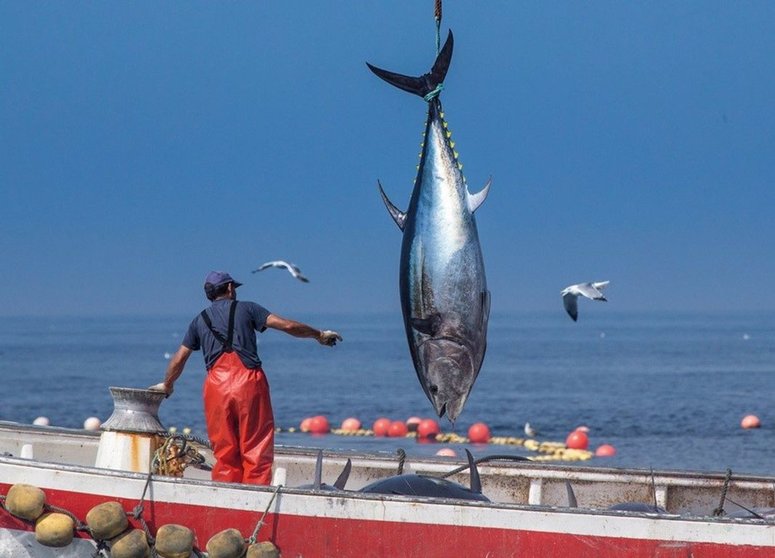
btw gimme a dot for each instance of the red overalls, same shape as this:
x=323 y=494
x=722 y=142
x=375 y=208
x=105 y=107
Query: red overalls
x=238 y=412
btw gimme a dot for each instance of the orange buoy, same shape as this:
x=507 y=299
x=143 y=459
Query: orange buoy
x=381 y=426
x=351 y=424
x=304 y=426
x=479 y=433
x=446 y=452
x=605 y=450
x=577 y=439
x=397 y=429
x=412 y=423
x=750 y=421
x=428 y=428
x=319 y=425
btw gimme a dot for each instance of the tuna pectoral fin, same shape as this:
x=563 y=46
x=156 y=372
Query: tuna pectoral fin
x=398 y=216
x=426 y=83
x=485 y=302
x=428 y=326
x=475 y=200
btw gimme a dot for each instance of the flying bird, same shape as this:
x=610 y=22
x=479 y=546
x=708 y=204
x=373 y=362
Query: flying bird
x=590 y=290
x=292 y=269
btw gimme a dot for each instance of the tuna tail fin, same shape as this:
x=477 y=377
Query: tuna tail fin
x=425 y=83
x=476 y=483
x=318 y=483
x=341 y=480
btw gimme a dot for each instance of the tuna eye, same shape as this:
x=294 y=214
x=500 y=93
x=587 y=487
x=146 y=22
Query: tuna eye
x=434 y=389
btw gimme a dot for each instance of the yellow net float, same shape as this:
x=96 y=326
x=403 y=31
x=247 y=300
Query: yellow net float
x=107 y=520
x=25 y=501
x=226 y=544
x=264 y=549
x=54 y=529
x=133 y=544
x=174 y=541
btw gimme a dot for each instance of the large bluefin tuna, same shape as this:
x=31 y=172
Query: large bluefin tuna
x=444 y=296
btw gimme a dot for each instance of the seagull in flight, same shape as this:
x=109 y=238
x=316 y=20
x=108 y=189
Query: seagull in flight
x=292 y=269
x=590 y=290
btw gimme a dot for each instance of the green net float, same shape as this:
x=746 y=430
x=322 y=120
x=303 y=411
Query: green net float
x=132 y=544
x=226 y=544
x=264 y=549
x=174 y=541
x=25 y=501
x=107 y=520
x=54 y=529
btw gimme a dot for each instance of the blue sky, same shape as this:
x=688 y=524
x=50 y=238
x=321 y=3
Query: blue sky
x=143 y=144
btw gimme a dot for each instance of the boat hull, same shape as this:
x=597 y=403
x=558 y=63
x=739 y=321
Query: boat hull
x=318 y=523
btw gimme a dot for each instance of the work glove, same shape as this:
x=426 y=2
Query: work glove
x=329 y=338
x=161 y=387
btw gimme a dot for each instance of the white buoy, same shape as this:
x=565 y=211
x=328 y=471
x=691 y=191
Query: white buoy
x=41 y=421
x=92 y=423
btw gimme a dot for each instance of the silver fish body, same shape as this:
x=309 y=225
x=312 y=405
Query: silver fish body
x=443 y=287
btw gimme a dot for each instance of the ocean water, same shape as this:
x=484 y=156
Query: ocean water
x=668 y=391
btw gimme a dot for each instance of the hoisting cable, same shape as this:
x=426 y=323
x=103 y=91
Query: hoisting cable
x=437 y=17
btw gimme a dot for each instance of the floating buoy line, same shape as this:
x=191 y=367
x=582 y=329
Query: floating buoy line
x=547 y=450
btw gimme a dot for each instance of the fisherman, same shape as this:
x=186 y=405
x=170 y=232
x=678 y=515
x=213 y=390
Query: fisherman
x=238 y=409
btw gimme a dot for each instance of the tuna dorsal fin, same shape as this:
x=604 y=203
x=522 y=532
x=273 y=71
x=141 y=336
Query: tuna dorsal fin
x=572 y=502
x=476 y=483
x=398 y=216
x=341 y=480
x=428 y=326
x=475 y=200
x=425 y=83
x=318 y=471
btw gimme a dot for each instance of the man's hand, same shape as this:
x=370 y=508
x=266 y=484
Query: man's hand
x=329 y=338
x=162 y=387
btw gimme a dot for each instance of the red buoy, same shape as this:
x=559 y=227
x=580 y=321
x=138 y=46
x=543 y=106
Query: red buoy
x=304 y=426
x=577 y=440
x=351 y=424
x=479 y=433
x=750 y=421
x=381 y=426
x=605 y=450
x=319 y=425
x=397 y=429
x=428 y=428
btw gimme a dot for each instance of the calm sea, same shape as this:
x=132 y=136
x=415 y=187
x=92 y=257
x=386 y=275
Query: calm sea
x=668 y=391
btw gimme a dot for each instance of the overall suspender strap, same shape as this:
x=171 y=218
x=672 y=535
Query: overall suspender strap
x=225 y=341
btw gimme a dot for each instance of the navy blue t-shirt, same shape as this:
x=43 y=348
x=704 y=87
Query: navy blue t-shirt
x=249 y=317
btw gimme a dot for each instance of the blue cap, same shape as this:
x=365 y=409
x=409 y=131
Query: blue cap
x=218 y=278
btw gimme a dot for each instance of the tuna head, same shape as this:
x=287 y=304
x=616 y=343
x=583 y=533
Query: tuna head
x=447 y=371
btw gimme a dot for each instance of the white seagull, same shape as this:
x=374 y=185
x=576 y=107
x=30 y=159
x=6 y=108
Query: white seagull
x=530 y=432
x=292 y=269
x=590 y=290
